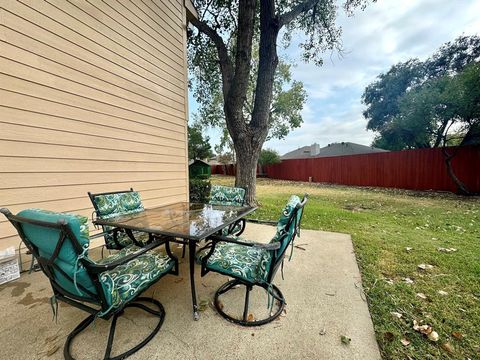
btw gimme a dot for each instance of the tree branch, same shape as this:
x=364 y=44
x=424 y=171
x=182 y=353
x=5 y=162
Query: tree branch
x=225 y=63
x=296 y=11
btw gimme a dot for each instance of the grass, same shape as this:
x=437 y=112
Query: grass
x=383 y=223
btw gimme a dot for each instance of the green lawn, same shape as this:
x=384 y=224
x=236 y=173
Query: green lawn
x=383 y=223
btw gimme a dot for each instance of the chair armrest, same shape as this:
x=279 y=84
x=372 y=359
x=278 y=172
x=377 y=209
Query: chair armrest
x=218 y=238
x=256 y=245
x=268 y=246
x=99 y=268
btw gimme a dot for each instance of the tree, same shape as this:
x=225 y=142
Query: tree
x=269 y=157
x=438 y=113
x=198 y=146
x=222 y=54
x=383 y=97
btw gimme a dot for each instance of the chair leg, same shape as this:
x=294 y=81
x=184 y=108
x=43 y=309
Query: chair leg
x=183 y=250
x=248 y=288
x=273 y=290
x=160 y=313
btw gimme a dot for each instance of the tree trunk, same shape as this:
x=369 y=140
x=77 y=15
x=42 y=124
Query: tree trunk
x=246 y=176
x=461 y=187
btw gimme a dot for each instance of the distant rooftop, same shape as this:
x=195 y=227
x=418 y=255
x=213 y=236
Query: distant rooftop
x=334 y=149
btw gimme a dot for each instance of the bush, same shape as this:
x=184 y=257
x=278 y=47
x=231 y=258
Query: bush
x=199 y=190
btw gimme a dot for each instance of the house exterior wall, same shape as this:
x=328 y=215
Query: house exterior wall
x=93 y=97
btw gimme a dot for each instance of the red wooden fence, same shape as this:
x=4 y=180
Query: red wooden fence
x=420 y=169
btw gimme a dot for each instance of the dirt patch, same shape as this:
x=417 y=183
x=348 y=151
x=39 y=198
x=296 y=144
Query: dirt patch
x=357 y=207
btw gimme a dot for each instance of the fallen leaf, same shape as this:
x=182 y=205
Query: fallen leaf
x=458 y=335
x=447 y=347
x=433 y=336
x=250 y=317
x=203 y=305
x=388 y=336
x=396 y=314
x=422 y=296
x=405 y=342
x=424 y=329
x=425 y=266
x=52 y=350
x=345 y=339
x=443 y=293
x=446 y=250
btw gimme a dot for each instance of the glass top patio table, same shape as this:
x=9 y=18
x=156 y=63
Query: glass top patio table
x=193 y=221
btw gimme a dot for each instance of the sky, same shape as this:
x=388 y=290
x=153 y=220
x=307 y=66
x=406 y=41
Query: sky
x=385 y=33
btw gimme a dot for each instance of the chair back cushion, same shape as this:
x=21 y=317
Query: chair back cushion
x=286 y=227
x=116 y=204
x=226 y=195
x=45 y=239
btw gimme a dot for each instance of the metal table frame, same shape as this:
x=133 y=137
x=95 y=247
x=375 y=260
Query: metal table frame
x=191 y=240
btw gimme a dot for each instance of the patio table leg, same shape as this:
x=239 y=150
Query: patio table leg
x=192 y=247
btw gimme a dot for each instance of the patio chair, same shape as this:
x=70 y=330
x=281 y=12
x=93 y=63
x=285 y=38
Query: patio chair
x=111 y=204
x=105 y=288
x=230 y=196
x=253 y=264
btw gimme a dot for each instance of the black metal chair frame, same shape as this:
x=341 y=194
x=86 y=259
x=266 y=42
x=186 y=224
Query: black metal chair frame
x=48 y=266
x=115 y=232
x=276 y=262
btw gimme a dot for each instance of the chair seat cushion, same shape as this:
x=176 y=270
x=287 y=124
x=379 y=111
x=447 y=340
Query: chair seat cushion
x=127 y=281
x=124 y=239
x=240 y=261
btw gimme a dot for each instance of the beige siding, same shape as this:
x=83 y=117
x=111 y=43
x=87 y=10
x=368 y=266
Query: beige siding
x=93 y=97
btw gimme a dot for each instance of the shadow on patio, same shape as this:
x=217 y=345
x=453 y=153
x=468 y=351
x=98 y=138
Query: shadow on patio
x=321 y=287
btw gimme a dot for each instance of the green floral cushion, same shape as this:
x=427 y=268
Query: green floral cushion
x=236 y=228
x=282 y=222
x=226 y=195
x=124 y=239
x=112 y=205
x=248 y=263
x=128 y=280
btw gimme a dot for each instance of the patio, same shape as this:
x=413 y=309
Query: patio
x=321 y=286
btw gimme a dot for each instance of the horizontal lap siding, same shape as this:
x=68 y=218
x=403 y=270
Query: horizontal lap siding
x=92 y=98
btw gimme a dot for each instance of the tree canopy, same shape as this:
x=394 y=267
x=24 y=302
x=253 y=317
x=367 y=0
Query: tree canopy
x=198 y=145
x=229 y=39
x=268 y=157
x=419 y=104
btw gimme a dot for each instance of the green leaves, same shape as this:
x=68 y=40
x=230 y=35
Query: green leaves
x=427 y=104
x=268 y=157
x=198 y=145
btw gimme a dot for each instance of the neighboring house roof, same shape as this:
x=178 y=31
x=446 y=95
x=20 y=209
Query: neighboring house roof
x=303 y=152
x=334 y=149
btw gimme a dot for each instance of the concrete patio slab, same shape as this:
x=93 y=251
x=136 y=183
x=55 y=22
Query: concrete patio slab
x=322 y=288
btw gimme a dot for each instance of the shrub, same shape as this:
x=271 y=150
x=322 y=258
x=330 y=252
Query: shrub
x=199 y=190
